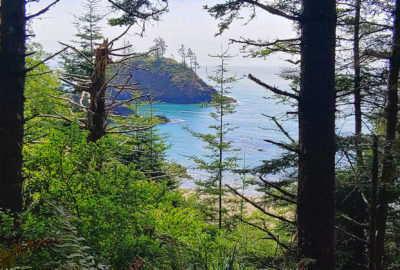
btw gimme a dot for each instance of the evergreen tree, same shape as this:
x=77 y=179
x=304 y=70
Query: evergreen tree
x=138 y=11
x=190 y=56
x=159 y=48
x=183 y=54
x=12 y=83
x=88 y=33
x=221 y=158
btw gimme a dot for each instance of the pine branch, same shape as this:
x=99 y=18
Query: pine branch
x=261 y=44
x=139 y=14
x=272 y=10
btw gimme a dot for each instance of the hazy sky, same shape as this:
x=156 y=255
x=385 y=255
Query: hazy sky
x=186 y=23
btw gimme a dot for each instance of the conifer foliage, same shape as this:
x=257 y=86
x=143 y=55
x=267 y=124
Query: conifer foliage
x=88 y=34
x=220 y=159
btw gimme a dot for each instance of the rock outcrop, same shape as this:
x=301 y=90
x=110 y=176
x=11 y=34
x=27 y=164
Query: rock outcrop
x=169 y=81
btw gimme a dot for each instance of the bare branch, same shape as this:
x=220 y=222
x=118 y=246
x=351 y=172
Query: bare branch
x=280 y=197
x=120 y=49
x=83 y=77
x=273 y=89
x=268 y=232
x=281 y=128
x=38 y=74
x=124 y=55
x=364 y=225
x=78 y=51
x=273 y=185
x=272 y=10
x=116 y=104
x=134 y=56
x=124 y=85
x=71 y=101
x=293 y=62
x=41 y=11
x=130 y=130
x=260 y=208
x=283 y=145
x=84 y=93
x=44 y=61
x=351 y=235
x=61 y=117
x=379 y=55
x=120 y=36
x=74 y=84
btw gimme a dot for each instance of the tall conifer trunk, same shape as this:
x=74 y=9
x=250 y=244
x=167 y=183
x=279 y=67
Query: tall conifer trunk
x=12 y=81
x=316 y=209
x=388 y=174
x=357 y=73
x=356 y=247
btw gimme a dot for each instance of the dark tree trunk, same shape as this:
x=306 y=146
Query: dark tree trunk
x=350 y=202
x=357 y=78
x=356 y=205
x=12 y=81
x=357 y=72
x=316 y=207
x=372 y=210
x=388 y=174
x=96 y=119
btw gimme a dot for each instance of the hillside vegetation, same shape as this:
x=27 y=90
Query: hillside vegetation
x=170 y=81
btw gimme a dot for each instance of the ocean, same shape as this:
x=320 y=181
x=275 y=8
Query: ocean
x=253 y=127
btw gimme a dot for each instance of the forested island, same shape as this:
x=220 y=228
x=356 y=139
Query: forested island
x=84 y=178
x=169 y=81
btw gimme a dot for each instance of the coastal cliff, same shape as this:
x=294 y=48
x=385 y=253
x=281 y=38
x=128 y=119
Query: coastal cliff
x=169 y=81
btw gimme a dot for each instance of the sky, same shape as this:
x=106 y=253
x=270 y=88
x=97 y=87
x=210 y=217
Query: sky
x=186 y=23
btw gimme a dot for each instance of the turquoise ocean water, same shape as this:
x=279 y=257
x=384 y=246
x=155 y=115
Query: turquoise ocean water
x=252 y=126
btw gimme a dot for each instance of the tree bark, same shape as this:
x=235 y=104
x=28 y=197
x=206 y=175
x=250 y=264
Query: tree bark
x=357 y=72
x=372 y=210
x=388 y=174
x=12 y=82
x=97 y=114
x=355 y=247
x=316 y=208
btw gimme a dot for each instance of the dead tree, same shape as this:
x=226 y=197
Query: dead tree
x=96 y=115
x=99 y=93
